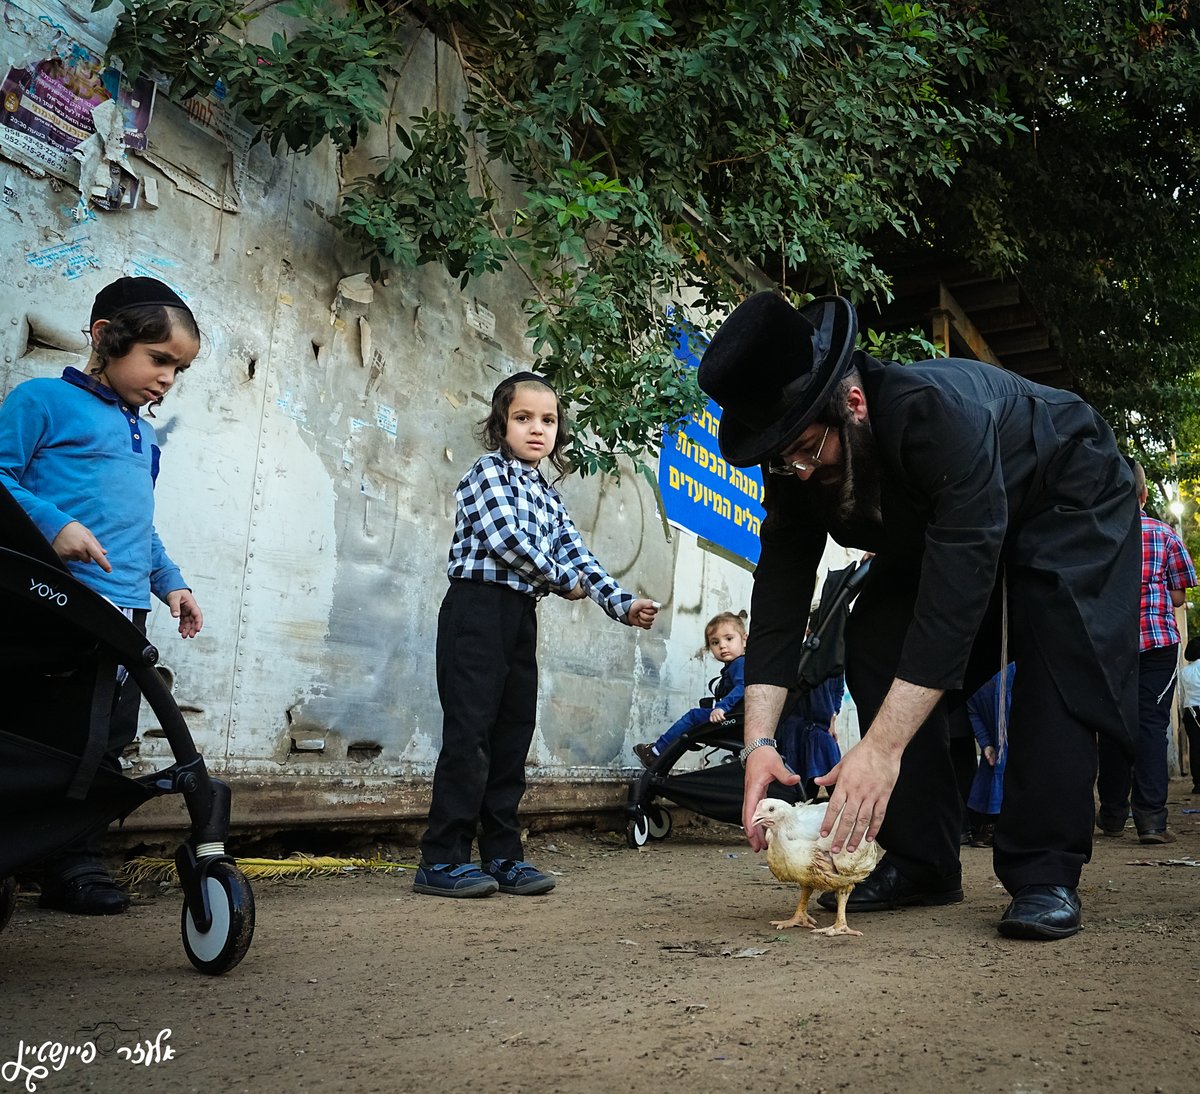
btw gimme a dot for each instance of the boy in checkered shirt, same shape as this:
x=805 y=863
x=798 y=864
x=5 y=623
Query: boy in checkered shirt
x=514 y=543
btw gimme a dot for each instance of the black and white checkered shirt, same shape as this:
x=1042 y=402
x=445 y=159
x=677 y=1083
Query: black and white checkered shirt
x=512 y=529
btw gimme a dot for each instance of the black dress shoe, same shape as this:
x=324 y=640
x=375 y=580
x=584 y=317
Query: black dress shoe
x=1042 y=912
x=984 y=836
x=86 y=889
x=887 y=889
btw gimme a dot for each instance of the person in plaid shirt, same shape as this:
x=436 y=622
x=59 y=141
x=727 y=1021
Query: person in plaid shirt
x=514 y=543
x=1166 y=572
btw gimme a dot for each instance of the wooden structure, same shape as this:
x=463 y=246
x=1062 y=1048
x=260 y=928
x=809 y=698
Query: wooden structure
x=969 y=314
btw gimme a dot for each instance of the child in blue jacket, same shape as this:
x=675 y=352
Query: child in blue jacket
x=725 y=639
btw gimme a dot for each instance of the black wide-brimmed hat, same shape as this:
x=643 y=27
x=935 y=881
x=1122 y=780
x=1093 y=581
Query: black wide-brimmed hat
x=771 y=368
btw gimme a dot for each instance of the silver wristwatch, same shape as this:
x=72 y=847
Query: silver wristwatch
x=758 y=742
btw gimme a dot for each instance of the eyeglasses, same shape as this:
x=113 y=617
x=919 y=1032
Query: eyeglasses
x=804 y=464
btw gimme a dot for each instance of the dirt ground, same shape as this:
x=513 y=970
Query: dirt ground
x=650 y=969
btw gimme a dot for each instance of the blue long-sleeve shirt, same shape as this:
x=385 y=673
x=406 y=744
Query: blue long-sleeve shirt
x=72 y=450
x=511 y=528
x=730 y=687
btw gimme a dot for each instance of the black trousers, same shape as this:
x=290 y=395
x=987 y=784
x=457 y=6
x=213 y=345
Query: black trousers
x=55 y=710
x=1191 y=726
x=1044 y=834
x=487 y=682
x=921 y=830
x=1144 y=782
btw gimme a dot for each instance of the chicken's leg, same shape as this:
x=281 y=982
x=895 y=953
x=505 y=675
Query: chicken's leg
x=839 y=924
x=801 y=918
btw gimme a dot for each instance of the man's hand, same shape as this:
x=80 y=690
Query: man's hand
x=184 y=608
x=864 y=780
x=989 y=754
x=763 y=766
x=764 y=704
x=75 y=543
x=717 y=715
x=642 y=613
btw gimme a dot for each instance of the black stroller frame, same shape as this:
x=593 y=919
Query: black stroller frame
x=716 y=789
x=49 y=798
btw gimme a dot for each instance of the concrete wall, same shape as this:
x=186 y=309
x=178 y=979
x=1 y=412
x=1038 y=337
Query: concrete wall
x=309 y=461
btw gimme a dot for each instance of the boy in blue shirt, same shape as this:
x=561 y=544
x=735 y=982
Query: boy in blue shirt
x=80 y=459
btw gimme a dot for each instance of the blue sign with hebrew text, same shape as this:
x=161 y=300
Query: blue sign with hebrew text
x=701 y=492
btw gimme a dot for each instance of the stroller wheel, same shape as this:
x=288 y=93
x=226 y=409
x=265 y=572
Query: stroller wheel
x=226 y=941
x=658 y=821
x=637 y=831
x=8 y=900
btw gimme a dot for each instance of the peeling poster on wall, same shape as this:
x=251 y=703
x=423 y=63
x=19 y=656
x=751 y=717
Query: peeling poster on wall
x=48 y=95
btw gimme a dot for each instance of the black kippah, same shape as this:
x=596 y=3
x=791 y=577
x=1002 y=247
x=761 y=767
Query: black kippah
x=521 y=378
x=129 y=292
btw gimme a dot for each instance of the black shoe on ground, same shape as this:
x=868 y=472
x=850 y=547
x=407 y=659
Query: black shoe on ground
x=1110 y=823
x=887 y=889
x=984 y=835
x=1042 y=913
x=1112 y=826
x=85 y=889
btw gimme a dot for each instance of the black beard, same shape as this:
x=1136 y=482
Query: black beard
x=860 y=488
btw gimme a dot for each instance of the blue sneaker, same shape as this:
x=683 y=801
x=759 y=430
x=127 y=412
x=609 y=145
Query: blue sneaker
x=518 y=878
x=448 y=879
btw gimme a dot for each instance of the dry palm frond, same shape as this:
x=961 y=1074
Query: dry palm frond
x=137 y=870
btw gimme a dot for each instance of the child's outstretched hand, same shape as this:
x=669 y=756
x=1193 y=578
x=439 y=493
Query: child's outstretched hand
x=75 y=543
x=642 y=613
x=184 y=608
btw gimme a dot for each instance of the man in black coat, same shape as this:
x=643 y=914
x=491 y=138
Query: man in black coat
x=1004 y=525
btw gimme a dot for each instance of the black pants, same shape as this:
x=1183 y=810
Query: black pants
x=1044 y=835
x=1144 y=783
x=1191 y=726
x=921 y=830
x=55 y=710
x=487 y=682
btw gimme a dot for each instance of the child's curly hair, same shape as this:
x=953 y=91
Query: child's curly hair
x=491 y=432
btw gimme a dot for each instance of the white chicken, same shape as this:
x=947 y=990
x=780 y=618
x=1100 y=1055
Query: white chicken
x=796 y=852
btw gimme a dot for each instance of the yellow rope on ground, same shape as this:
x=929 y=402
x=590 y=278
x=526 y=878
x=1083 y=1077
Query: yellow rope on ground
x=141 y=869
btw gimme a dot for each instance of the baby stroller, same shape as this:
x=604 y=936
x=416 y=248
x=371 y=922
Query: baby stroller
x=62 y=644
x=715 y=789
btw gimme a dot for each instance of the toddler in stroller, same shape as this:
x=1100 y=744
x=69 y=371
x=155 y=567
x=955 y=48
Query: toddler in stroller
x=725 y=639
